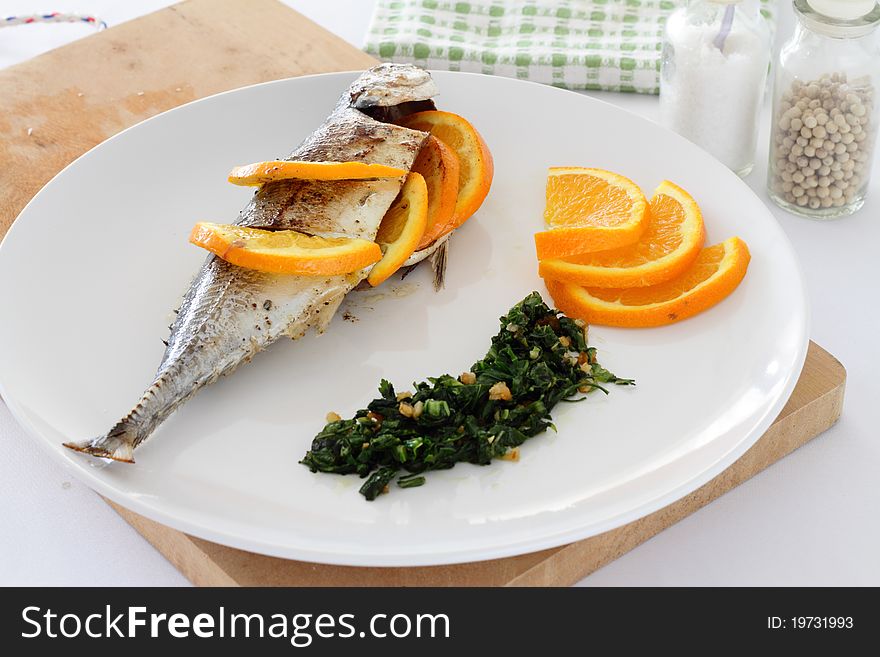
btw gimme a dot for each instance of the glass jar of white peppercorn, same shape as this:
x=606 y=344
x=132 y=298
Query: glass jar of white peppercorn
x=825 y=109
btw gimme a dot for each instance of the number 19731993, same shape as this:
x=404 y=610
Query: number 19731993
x=810 y=623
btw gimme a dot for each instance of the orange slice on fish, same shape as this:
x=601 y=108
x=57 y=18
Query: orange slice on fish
x=285 y=251
x=260 y=173
x=438 y=165
x=476 y=167
x=401 y=229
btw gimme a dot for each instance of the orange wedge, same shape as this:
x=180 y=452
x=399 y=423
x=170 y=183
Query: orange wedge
x=714 y=274
x=259 y=173
x=475 y=160
x=402 y=228
x=438 y=164
x=589 y=210
x=285 y=251
x=672 y=240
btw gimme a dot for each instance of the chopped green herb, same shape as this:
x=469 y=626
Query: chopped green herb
x=411 y=481
x=377 y=482
x=539 y=358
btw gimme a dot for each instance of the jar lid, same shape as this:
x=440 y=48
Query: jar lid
x=839 y=18
x=845 y=10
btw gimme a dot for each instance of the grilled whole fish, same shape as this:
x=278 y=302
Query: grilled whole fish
x=229 y=313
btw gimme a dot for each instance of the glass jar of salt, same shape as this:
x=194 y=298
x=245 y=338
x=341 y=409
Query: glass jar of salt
x=712 y=77
x=825 y=109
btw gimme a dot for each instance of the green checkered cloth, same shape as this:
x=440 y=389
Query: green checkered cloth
x=575 y=44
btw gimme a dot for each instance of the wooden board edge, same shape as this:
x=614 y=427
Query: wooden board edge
x=179 y=548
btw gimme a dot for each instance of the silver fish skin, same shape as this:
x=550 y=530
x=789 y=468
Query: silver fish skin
x=230 y=313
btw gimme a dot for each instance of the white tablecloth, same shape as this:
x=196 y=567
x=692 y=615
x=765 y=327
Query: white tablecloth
x=811 y=519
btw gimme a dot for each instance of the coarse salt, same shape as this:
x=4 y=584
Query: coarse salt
x=713 y=96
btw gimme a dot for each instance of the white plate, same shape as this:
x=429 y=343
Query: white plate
x=93 y=267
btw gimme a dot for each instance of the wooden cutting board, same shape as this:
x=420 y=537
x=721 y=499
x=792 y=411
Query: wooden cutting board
x=60 y=104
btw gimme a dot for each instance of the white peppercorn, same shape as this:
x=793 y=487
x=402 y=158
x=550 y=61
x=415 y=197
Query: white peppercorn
x=822 y=140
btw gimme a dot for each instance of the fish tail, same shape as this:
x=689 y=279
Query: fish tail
x=118 y=444
x=156 y=404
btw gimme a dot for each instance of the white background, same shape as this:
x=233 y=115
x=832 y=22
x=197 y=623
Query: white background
x=810 y=519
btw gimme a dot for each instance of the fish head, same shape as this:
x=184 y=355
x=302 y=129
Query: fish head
x=387 y=85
